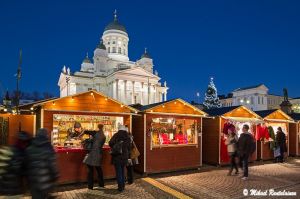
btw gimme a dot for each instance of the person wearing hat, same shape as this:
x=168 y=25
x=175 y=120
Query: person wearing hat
x=77 y=131
x=120 y=148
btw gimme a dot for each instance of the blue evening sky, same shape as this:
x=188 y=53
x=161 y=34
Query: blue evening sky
x=239 y=43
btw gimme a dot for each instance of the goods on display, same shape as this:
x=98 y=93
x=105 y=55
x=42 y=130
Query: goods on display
x=64 y=123
x=165 y=131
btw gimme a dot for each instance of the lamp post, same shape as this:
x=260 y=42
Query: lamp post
x=18 y=75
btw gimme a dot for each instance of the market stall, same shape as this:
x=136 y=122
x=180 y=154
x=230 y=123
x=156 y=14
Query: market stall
x=215 y=131
x=294 y=135
x=168 y=136
x=266 y=132
x=86 y=110
x=11 y=124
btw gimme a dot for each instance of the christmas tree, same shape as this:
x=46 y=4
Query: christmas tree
x=211 y=96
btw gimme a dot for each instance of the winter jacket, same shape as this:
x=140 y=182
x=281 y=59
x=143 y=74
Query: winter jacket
x=231 y=143
x=41 y=164
x=245 y=144
x=10 y=171
x=281 y=140
x=94 y=157
x=121 y=135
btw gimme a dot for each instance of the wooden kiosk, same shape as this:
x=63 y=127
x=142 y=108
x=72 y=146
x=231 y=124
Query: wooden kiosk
x=168 y=136
x=294 y=135
x=214 y=148
x=89 y=108
x=272 y=118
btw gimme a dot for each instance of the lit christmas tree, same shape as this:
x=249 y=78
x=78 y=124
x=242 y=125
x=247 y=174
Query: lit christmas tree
x=211 y=96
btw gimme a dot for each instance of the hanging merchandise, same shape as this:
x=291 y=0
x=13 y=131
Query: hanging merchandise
x=272 y=136
x=262 y=132
x=228 y=125
x=224 y=151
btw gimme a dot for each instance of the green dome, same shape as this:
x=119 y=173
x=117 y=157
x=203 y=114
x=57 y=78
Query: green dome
x=146 y=54
x=87 y=59
x=115 y=25
x=101 y=45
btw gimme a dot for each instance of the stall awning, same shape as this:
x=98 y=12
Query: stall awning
x=90 y=101
x=239 y=113
x=177 y=107
x=275 y=115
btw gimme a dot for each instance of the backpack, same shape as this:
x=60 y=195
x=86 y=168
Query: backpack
x=117 y=149
x=88 y=144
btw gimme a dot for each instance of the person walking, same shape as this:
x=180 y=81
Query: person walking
x=231 y=143
x=120 y=147
x=41 y=165
x=245 y=149
x=13 y=167
x=281 y=143
x=94 y=157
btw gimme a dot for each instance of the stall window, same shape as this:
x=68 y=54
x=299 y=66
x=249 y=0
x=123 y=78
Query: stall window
x=172 y=131
x=63 y=124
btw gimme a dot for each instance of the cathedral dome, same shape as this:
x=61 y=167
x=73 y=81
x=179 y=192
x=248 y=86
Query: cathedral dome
x=146 y=54
x=86 y=59
x=115 y=25
x=101 y=45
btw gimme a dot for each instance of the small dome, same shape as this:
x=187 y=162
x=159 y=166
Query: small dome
x=146 y=54
x=86 y=59
x=115 y=25
x=101 y=45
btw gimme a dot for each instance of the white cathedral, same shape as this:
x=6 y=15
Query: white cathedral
x=112 y=73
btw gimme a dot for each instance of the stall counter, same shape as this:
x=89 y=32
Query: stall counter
x=73 y=170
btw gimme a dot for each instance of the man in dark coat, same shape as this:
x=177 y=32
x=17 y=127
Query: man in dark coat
x=281 y=142
x=245 y=144
x=120 y=160
x=41 y=165
x=94 y=157
x=12 y=166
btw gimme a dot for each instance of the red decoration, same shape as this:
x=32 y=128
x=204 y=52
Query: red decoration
x=224 y=151
x=262 y=132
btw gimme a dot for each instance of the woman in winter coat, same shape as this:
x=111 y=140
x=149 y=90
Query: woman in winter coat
x=131 y=162
x=231 y=143
x=41 y=164
x=281 y=142
x=120 y=140
x=12 y=166
x=94 y=157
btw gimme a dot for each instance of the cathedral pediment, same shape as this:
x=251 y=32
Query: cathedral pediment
x=137 y=72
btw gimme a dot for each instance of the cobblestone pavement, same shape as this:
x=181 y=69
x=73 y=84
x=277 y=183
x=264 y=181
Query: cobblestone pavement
x=216 y=184
x=209 y=182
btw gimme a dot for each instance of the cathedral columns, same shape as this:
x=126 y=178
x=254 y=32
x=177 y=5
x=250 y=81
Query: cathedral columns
x=117 y=89
x=142 y=93
x=132 y=94
x=125 y=91
x=154 y=93
x=149 y=98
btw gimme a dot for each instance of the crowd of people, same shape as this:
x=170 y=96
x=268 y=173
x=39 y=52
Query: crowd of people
x=240 y=149
x=30 y=164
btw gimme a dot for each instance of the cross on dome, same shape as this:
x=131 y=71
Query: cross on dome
x=115 y=15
